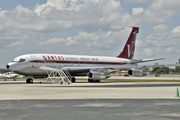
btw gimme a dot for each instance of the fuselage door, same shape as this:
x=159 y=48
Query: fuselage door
x=34 y=61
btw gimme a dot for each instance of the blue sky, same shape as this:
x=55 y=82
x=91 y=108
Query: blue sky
x=11 y=4
x=89 y=27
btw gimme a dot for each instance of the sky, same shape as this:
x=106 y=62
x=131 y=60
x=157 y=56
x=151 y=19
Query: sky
x=89 y=27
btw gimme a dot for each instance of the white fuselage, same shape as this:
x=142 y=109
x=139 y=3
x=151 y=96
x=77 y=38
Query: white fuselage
x=28 y=64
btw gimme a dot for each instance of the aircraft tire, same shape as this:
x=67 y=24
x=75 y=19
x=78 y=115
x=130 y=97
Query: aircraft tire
x=29 y=80
x=98 y=81
x=90 y=80
x=73 y=79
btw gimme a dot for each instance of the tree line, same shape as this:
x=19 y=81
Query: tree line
x=165 y=70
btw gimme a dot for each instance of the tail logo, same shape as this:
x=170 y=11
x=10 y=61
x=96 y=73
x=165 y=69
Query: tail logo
x=130 y=49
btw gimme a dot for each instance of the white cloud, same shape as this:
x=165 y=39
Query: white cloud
x=169 y=49
x=163 y=36
x=150 y=51
x=59 y=41
x=166 y=6
x=176 y=30
x=56 y=15
x=71 y=41
x=160 y=28
x=136 y=11
x=147 y=51
x=87 y=36
x=158 y=12
x=69 y=5
x=100 y=22
x=136 y=1
x=97 y=39
x=162 y=41
x=139 y=43
x=108 y=34
x=16 y=44
x=62 y=14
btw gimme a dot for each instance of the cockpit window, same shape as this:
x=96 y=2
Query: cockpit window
x=21 y=60
x=18 y=60
x=15 y=60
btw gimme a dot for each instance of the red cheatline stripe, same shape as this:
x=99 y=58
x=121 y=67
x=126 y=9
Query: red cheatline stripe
x=77 y=62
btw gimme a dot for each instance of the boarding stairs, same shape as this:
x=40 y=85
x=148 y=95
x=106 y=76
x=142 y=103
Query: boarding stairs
x=58 y=74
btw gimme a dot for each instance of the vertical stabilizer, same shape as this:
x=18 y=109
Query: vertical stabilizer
x=128 y=51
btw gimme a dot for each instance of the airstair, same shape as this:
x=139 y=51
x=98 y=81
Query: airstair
x=58 y=75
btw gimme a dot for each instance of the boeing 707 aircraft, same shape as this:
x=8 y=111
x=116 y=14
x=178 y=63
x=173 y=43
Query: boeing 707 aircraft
x=95 y=67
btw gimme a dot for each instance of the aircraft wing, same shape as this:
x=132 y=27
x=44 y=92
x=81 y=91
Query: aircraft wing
x=105 y=68
x=99 y=69
x=66 y=68
x=110 y=69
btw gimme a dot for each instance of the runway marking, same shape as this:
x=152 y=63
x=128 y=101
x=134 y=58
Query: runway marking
x=100 y=105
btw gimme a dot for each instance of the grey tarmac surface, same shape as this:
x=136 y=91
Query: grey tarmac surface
x=85 y=101
x=90 y=109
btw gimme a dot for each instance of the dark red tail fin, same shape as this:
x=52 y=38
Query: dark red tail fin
x=128 y=51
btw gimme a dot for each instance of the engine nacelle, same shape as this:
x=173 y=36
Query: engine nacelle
x=137 y=72
x=95 y=75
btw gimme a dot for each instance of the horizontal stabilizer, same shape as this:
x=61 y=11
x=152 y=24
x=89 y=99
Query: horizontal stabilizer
x=145 y=60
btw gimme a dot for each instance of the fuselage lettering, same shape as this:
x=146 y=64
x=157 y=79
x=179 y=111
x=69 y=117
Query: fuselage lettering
x=44 y=57
x=59 y=57
x=62 y=57
x=55 y=57
x=52 y=57
x=49 y=58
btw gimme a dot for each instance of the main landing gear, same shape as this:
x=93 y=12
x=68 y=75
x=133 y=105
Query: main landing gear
x=29 y=80
x=91 y=80
x=73 y=79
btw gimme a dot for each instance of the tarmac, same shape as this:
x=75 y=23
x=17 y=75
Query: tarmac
x=19 y=90
x=83 y=100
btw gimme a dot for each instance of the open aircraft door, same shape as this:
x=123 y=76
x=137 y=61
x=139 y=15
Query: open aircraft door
x=34 y=61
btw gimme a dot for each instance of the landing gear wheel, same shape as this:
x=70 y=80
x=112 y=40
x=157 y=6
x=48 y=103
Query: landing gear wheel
x=73 y=79
x=98 y=81
x=90 y=80
x=29 y=80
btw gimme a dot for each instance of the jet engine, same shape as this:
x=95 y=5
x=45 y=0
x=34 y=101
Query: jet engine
x=137 y=72
x=96 y=75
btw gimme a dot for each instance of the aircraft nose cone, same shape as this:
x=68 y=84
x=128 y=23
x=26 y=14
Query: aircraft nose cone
x=7 y=66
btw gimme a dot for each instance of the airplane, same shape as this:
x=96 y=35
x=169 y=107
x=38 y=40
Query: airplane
x=9 y=75
x=95 y=67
